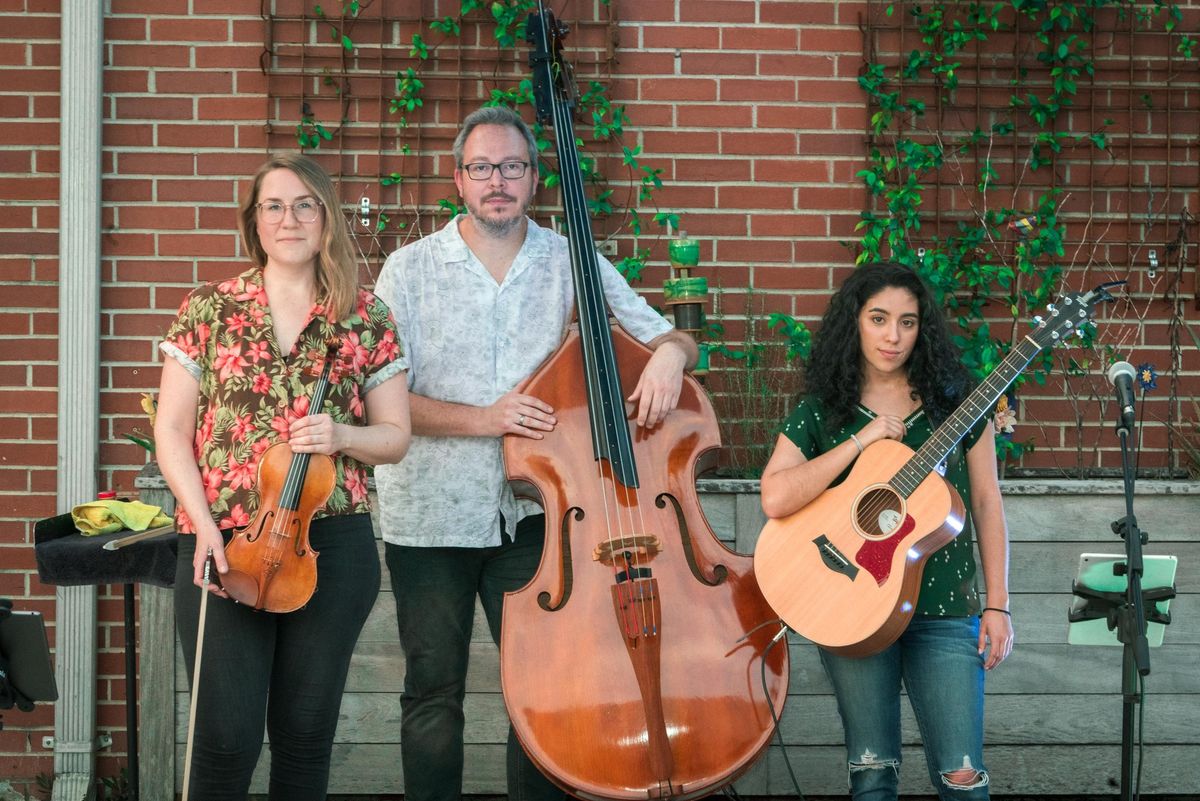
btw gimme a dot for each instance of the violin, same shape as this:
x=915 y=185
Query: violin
x=637 y=663
x=272 y=566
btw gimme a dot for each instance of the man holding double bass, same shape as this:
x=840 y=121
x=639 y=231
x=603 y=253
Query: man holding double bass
x=479 y=305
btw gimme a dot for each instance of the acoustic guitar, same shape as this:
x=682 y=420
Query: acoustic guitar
x=845 y=570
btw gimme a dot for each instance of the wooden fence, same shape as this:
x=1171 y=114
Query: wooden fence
x=1053 y=722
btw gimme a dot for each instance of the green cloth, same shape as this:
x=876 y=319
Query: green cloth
x=105 y=517
x=948 y=582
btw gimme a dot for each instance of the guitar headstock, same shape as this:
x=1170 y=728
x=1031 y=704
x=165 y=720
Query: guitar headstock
x=1068 y=316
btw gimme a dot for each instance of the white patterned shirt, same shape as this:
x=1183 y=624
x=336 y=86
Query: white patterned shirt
x=469 y=341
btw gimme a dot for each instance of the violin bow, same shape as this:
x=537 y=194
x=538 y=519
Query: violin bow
x=187 y=757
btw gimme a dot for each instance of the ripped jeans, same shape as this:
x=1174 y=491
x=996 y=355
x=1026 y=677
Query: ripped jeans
x=937 y=659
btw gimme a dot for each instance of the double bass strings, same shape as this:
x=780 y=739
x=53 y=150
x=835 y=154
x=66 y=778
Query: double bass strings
x=594 y=322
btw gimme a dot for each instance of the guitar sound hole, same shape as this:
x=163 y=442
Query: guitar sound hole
x=878 y=513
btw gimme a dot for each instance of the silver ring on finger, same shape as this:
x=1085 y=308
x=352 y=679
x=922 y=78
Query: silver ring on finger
x=521 y=420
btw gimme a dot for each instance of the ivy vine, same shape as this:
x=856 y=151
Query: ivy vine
x=607 y=121
x=1001 y=260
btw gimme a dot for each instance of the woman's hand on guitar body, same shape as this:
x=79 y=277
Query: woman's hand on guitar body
x=885 y=426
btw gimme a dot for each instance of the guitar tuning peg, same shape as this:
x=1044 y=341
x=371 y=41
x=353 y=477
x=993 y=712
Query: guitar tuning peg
x=1037 y=318
x=1050 y=307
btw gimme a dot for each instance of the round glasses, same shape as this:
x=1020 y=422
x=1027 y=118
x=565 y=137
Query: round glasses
x=305 y=211
x=509 y=170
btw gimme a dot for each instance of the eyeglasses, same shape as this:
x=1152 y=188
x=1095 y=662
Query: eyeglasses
x=509 y=170
x=305 y=211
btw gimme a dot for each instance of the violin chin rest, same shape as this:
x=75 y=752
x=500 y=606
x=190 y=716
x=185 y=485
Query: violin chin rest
x=241 y=587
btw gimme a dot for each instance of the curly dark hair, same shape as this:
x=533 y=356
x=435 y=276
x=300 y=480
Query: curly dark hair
x=935 y=369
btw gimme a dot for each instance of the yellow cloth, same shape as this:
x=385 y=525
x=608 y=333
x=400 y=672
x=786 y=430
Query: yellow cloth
x=105 y=517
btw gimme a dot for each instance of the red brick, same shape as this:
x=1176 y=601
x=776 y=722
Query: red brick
x=231 y=108
x=717 y=64
x=756 y=197
x=189 y=30
x=155 y=164
x=150 y=7
x=125 y=29
x=787 y=12
x=753 y=143
x=838 y=40
x=711 y=169
x=678 y=89
x=126 y=189
x=126 y=81
x=229 y=57
x=156 y=107
x=197 y=244
x=791 y=170
x=759 y=38
x=142 y=55
x=796 y=64
x=157 y=217
x=688 y=37
x=128 y=134
x=15 y=54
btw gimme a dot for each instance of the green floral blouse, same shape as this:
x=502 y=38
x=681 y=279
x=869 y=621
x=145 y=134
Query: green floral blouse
x=250 y=392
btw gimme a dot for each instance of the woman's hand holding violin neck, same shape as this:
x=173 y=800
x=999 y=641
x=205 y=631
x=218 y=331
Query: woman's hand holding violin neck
x=316 y=433
x=885 y=426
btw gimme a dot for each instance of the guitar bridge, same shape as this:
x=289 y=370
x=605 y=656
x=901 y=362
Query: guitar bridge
x=834 y=559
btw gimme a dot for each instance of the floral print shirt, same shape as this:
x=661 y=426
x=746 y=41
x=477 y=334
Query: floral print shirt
x=250 y=392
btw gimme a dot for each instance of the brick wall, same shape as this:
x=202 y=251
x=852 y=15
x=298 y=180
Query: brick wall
x=750 y=107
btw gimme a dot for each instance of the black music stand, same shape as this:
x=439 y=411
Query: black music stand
x=26 y=674
x=66 y=557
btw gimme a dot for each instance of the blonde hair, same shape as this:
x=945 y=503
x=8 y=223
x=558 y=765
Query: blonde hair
x=337 y=265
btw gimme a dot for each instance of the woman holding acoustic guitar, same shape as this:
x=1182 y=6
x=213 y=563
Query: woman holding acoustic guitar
x=244 y=359
x=883 y=367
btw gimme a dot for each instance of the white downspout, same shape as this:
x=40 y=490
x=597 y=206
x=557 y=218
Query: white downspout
x=81 y=118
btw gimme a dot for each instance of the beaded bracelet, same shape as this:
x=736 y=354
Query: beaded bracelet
x=854 y=438
x=997 y=609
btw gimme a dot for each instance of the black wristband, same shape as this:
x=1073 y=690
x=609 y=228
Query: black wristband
x=997 y=609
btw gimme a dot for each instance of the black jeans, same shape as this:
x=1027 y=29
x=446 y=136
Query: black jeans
x=435 y=592
x=285 y=670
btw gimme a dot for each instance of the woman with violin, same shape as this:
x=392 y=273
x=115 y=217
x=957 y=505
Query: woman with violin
x=884 y=367
x=246 y=357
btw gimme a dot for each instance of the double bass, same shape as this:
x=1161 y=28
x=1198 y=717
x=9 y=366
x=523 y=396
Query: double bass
x=637 y=663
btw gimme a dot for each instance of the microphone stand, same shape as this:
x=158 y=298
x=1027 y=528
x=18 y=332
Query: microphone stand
x=1131 y=618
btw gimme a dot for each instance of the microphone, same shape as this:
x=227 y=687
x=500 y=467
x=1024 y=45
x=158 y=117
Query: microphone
x=1120 y=375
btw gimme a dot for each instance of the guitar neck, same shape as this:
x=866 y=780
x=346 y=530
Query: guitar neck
x=977 y=404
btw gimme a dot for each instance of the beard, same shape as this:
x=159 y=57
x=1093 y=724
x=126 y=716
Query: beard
x=495 y=225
